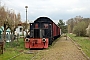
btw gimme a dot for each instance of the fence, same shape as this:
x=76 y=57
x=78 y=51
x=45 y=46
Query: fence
x=8 y=38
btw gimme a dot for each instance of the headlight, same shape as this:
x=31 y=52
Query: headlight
x=26 y=40
x=44 y=40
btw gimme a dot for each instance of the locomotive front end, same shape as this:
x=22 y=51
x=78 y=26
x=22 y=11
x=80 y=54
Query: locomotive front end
x=36 y=43
x=39 y=34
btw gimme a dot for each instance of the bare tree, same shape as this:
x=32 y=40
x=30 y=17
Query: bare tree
x=3 y=20
x=72 y=22
x=13 y=21
x=8 y=19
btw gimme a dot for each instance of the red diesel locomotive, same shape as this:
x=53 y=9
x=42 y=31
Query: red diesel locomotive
x=42 y=33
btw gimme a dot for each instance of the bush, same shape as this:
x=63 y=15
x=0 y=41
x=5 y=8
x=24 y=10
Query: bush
x=80 y=29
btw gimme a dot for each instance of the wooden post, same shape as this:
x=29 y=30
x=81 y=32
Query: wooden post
x=1 y=47
x=66 y=36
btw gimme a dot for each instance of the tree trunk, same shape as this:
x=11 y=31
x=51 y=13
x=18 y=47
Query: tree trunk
x=26 y=33
x=79 y=33
x=4 y=33
x=11 y=38
x=4 y=36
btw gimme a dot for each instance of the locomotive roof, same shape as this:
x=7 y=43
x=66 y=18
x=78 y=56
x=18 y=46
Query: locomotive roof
x=43 y=19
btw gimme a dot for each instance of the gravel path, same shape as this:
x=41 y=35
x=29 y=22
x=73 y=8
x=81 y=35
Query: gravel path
x=62 y=50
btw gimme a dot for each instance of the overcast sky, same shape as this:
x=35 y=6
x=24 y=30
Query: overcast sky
x=54 y=9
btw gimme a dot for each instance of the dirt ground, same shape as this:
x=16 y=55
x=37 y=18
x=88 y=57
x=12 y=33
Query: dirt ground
x=62 y=50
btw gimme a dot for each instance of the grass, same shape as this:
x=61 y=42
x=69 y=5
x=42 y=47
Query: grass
x=15 y=49
x=24 y=57
x=84 y=43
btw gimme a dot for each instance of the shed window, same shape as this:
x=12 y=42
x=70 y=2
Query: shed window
x=45 y=25
x=20 y=29
x=36 y=25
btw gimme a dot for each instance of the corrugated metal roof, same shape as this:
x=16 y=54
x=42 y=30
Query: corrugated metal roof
x=2 y=28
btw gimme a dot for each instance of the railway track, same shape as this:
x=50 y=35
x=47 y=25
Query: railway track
x=15 y=56
x=34 y=52
x=35 y=55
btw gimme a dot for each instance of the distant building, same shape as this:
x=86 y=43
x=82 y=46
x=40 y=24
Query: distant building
x=19 y=29
x=7 y=31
